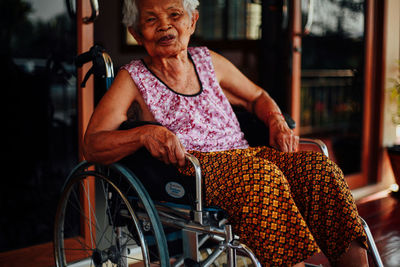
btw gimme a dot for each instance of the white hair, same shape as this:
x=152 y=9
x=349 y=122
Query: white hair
x=130 y=11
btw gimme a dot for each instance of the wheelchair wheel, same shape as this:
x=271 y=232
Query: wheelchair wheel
x=106 y=218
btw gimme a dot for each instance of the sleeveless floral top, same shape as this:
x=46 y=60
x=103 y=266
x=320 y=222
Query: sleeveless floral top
x=204 y=121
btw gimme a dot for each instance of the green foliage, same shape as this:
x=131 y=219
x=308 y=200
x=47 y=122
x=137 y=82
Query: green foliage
x=395 y=95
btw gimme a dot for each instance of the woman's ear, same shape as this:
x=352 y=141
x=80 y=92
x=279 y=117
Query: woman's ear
x=195 y=17
x=136 y=35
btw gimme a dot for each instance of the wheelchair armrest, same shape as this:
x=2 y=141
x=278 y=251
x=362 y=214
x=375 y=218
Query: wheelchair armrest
x=256 y=133
x=316 y=142
x=198 y=215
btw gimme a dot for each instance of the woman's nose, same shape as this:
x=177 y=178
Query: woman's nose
x=164 y=24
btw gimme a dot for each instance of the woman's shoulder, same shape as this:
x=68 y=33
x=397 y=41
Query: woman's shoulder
x=133 y=65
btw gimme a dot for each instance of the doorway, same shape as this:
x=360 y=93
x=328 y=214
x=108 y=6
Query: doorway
x=332 y=79
x=38 y=40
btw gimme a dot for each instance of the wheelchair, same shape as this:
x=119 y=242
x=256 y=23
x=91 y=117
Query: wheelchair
x=141 y=212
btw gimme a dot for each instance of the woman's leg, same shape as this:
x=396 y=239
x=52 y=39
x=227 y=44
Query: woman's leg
x=355 y=256
x=324 y=199
x=257 y=198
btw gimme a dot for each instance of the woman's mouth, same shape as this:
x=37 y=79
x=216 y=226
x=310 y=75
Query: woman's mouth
x=166 y=40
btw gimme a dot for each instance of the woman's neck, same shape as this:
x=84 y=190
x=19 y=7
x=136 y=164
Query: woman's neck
x=177 y=72
x=172 y=66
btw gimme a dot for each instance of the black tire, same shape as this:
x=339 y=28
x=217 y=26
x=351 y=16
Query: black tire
x=119 y=226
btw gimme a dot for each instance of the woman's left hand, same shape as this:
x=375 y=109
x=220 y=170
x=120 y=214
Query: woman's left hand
x=281 y=137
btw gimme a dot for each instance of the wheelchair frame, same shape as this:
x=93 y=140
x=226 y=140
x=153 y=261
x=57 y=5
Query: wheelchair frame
x=194 y=224
x=142 y=214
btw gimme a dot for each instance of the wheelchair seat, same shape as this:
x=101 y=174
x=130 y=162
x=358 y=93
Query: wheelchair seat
x=162 y=181
x=170 y=190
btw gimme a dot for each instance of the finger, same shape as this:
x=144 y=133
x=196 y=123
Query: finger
x=296 y=142
x=155 y=152
x=176 y=153
x=180 y=155
x=282 y=146
x=171 y=154
x=290 y=143
x=277 y=144
x=160 y=153
x=165 y=157
x=285 y=147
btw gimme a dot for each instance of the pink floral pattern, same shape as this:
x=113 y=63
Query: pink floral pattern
x=204 y=121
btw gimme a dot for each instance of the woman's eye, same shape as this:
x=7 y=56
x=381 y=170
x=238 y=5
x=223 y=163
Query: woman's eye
x=151 y=19
x=175 y=14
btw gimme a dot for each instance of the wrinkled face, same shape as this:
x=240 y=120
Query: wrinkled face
x=164 y=27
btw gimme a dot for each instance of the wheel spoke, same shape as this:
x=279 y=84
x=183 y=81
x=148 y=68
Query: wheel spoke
x=112 y=227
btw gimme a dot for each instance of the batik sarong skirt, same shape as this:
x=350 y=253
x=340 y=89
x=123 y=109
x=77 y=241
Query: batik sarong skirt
x=284 y=206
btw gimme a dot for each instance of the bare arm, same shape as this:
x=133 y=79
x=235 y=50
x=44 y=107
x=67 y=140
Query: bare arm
x=241 y=90
x=104 y=143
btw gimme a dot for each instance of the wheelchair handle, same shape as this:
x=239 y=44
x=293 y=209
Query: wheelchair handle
x=95 y=12
x=198 y=213
x=83 y=58
x=102 y=65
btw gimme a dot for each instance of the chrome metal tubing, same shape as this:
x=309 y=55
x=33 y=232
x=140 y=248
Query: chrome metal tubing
x=180 y=212
x=371 y=244
x=246 y=250
x=95 y=12
x=179 y=223
x=109 y=65
x=321 y=145
x=178 y=262
x=231 y=252
x=198 y=213
x=214 y=255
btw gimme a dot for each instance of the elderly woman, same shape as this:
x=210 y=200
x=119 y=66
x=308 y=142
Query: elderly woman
x=285 y=205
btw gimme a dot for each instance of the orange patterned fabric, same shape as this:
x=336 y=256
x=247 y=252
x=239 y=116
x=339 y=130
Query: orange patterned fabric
x=284 y=206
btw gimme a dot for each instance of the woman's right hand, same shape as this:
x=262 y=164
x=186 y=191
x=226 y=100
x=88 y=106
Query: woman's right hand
x=163 y=145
